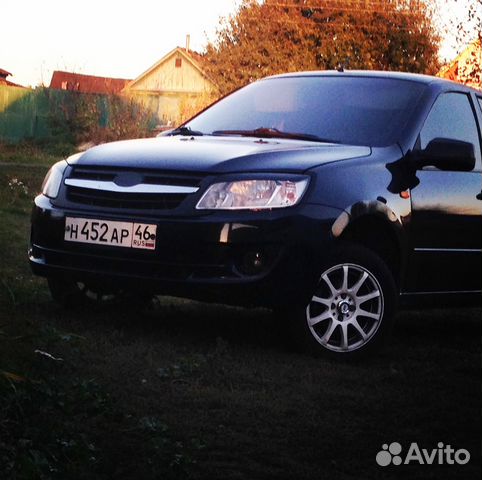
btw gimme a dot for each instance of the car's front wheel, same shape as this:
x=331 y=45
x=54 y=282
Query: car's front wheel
x=351 y=310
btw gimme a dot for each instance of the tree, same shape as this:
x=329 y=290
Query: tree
x=469 y=27
x=465 y=30
x=276 y=36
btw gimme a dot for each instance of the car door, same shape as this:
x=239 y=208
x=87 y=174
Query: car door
x=447 y=207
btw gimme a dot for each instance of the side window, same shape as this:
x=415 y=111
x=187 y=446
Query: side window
x=452 y=117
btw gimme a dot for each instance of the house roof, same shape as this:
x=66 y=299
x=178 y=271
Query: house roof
x=86 y=83
x=450 y=70
x=9 y=83
x=196 y=59
x=195 y=56
x=3 y=79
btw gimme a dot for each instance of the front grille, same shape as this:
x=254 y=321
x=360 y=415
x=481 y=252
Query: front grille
x=98 y=194
x=137 y=201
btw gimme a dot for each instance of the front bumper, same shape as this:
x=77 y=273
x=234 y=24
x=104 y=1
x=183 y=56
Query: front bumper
x=266 y=258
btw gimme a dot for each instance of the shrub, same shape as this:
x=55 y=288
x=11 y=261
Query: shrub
x=80 y=118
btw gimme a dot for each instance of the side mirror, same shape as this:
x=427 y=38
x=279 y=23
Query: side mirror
x=446 y=154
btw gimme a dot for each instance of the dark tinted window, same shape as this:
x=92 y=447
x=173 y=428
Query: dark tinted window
x=451 y=117
x=353 y=110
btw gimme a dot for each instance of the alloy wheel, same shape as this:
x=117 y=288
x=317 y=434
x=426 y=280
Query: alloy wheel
x=346 y=310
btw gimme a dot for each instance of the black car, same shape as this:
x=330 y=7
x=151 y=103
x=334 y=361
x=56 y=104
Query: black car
x=326 y=196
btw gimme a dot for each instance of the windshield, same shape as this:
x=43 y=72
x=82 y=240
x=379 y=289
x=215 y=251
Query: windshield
x=350 y=110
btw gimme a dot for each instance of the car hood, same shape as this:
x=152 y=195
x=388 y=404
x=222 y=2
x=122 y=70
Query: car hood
x=217 y=154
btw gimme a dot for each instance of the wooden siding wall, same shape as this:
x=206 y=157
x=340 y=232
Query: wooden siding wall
x=169 y=78
x=166 y=107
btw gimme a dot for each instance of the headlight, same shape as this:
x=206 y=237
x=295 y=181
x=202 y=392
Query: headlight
x=253 y=194
x=53 y=179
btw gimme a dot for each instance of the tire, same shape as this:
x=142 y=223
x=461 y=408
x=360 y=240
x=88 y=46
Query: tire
x=72 y=294
x=351 y=310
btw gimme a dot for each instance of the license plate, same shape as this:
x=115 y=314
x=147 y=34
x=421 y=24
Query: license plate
x=106 y=232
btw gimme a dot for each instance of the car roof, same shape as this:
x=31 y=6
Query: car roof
x=413 y=77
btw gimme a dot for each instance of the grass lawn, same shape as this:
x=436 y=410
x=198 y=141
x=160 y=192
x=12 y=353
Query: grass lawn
x=211 y=392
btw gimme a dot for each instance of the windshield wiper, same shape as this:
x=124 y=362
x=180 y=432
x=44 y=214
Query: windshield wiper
x=185 y=131
x=264 y=132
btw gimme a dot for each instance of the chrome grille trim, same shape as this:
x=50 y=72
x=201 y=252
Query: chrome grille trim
x=108 y=186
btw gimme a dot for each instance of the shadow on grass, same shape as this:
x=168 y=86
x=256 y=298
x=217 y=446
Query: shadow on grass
x=196 y=324
x=450 y=328
x=186 y=322
x=223 y=378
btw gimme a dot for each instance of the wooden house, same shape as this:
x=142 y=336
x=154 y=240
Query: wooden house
x=77 y=82
x=175 y=87
x=3 y=79
x=466 y=68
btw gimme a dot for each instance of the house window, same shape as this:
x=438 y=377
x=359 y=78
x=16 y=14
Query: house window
x=178 y=62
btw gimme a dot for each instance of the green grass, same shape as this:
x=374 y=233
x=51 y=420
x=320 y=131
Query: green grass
x=34 y=153
x=205 y=391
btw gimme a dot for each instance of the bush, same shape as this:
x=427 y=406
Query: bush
x=79 y=118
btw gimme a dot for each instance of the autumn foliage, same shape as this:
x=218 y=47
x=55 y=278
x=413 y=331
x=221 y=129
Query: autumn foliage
x=276 y=36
